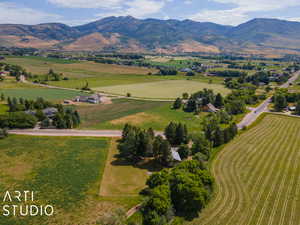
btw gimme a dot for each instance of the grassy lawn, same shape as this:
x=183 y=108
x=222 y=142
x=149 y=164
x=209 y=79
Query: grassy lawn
x=144 y=114
x=163 y=89
x=120 y=177
x=257 y=176
x=46 y=93
x=65 y=172
x=3 y=108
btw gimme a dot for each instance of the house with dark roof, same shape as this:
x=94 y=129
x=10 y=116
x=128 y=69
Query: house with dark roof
x=50 y=112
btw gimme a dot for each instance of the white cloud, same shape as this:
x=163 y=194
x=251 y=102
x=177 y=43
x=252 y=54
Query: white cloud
x=15 y=14
x=240 y=13
x=87 y=3
x=137 y=8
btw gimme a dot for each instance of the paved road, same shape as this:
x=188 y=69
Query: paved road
x=68 y=132
x=263 y=107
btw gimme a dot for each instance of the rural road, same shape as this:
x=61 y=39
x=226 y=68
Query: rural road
x=263 y=107
x=70 y=133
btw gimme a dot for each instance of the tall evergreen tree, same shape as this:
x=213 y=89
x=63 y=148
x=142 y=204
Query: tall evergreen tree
x=170 y=133
x=177 y=104
x=219 y=101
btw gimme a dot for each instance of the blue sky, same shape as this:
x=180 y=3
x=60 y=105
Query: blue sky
x=75 y=12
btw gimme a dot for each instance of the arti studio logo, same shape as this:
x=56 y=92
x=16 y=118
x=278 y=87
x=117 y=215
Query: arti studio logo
x=21 y=203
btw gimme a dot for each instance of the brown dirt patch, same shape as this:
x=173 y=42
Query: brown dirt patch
x=136 y=119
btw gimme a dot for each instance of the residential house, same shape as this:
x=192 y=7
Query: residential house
x=94 y=99
x=210 y=108
x=50 y=112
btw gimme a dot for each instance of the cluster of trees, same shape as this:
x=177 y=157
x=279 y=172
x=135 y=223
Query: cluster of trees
x=244 y=66
x=215 y=133
x=137 y=143
x=167 y=71
x=176 y=134
x=200 y=99
x=282 y=98
x=121 y=56
x=228 y=73
x=21 y=104
x=183 y=191
x=237 y=100
x=259 y=77
x=53 y=76
x=63 y=119
x=17 y=120
x=14 y=70
x=234 y=103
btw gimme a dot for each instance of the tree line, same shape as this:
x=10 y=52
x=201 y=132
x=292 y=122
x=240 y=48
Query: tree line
x=24 y=113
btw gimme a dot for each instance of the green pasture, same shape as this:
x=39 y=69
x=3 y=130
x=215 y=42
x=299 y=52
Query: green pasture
x=63 y=171
x=144 y=114
x=46 y=93
x=163 y=89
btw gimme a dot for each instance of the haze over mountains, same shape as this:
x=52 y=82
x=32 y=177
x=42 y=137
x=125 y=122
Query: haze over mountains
x=128 y=34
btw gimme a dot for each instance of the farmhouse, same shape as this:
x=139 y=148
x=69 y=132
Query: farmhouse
x=50 y=112
x=210 y=108
x=94 y=99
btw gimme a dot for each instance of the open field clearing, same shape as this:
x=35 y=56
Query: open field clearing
x=144 y=114
x=163 y=89
x=120 y=177
x=46 y=93
x=257 y=177
x=65 y=172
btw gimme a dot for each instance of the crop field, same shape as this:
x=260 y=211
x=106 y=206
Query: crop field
x=163 y=89
x=144 y=114
x=65 y=172
x=46 y=93
x=257 y=177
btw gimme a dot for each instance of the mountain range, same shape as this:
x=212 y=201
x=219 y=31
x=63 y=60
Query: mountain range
x=128 y=34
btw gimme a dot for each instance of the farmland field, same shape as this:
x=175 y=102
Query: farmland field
x=163 y=89
x=257 y=177
x=144 y=114
x=65 y=172
x=40 y=65
x=46 y=93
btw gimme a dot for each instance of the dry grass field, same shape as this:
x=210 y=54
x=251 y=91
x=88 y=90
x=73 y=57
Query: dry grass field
x=257 y=177
x=120 y=177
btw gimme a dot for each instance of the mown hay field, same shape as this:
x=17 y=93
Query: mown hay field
x=257 y=177
x=163 y=89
